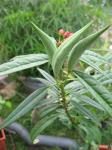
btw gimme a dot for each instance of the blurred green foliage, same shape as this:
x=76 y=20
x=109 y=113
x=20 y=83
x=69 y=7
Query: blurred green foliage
x=17 y=35
x=4 y=104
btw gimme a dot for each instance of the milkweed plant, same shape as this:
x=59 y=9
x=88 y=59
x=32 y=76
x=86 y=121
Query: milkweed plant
x=69 y=94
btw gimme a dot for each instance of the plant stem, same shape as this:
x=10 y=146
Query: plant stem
x=65 y=105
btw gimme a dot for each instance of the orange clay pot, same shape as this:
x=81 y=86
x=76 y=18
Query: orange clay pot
x=2 y=140
x=104 y=147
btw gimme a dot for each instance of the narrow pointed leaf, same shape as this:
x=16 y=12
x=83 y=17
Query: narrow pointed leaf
x=74 y=87
x=71 y=39
x=109 y=81
x=28 y=104
x=85 y=112
x=42 y=125
x=44 y=81
x=104 y=78
x=81 y=46
x=47 y=76
x=47 y=41
x=22 y=62
x=90 y=102
x=49 y=109
x=50 y=79
x=99 y=92
x=63 y=51
x=87 y=61
x=95 y=57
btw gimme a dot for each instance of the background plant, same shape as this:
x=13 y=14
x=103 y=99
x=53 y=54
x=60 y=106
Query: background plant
x=4 y=104
x=74 y=97
x=17 y=36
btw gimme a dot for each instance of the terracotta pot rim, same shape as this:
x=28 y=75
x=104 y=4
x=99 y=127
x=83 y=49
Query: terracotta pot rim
x=3 y=137
x=105 y=147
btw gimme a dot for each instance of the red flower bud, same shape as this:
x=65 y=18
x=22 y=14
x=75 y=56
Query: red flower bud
x=66 y=34
x=70 y=34
x=61 y=32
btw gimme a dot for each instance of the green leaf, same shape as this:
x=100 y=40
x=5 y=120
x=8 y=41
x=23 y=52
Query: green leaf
x=50 y=79
x=90 y=102
x=41 y=125
x=85 y=111
x=105 y=77
x=28 y=104
x=51 y=108
x=22 y=62
x=94 y=57
x=107 y=82
x=90 y=63
x=81 y=46
x=51 y=86
x=47 y=41
x=108 y=57
x=44 y=81
x=75 y=87
x=61 y=54
x=99 y=92
x=91 y=131
x=47 y=76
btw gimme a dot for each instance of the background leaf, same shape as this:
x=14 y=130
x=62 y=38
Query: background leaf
x=99 y=92
x=28 y=104
x=23 y=62
x=81 y=46
x=84 y=111
x=47 y=41
x=41 y=125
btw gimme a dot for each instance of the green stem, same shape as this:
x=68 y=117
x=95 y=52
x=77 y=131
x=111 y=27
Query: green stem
x=65 y=105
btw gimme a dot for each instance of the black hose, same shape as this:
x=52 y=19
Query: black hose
x=21 y=131
x=51 y=141
x=43 y=140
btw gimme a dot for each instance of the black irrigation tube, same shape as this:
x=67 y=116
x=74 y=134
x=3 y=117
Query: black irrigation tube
x=42 y=140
